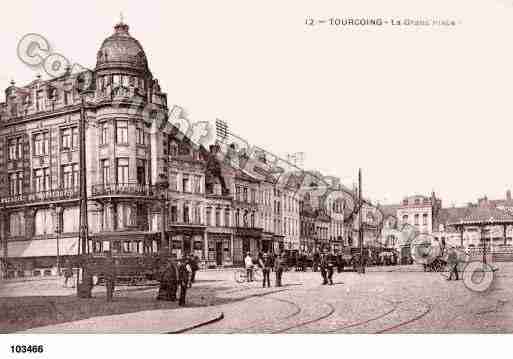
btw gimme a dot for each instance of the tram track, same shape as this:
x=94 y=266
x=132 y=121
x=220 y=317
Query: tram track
x=401 y=313
x=296 y=312
x=366 y=321
x=428 y=310
x=311 y=321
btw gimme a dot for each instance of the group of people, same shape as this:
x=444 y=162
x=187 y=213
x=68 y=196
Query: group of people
x=176 y=274
x=267 y=262
x=278 y=263
x=327 y=267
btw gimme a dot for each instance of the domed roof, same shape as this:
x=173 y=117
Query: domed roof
x=121 y=50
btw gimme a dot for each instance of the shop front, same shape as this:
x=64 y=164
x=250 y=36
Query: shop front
x=187 y=240
x=39 y=257
x=246 y=240
x=219 y=249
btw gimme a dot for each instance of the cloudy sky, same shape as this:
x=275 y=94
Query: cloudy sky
x=417 y=108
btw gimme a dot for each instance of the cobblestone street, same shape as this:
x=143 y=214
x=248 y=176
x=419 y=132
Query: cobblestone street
x=384 y=300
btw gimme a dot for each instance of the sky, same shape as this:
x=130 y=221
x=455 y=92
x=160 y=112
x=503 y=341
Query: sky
x=417 y=108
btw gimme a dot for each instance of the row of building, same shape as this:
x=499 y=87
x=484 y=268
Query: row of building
x=485 y=223
x=150 y=188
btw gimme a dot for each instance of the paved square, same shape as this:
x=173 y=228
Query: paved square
x=397 y=299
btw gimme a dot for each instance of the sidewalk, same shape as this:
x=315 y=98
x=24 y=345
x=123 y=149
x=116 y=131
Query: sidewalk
x=170 y=321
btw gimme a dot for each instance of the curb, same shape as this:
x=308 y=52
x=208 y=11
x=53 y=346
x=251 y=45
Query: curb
x=219 y=317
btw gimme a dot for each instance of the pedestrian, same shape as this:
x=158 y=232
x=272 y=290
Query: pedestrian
x=315 y=262
x=266 y=264
x=452 y=262
x=68 y=274
x=183 y=279
x=330 y=267
x=324 y=267
x=279 y=265
x=194 y=267
x=172 y=285
x=248 y=262
x=168 y=278
x=110 y=278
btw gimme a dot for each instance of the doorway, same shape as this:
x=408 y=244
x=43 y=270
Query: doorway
x=186 y=246
x=219 y=253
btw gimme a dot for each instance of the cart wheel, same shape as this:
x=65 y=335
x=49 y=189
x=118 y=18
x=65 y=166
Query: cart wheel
x=240 y=276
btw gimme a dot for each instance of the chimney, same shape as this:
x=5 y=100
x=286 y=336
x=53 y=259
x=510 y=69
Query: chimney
x=508 y=195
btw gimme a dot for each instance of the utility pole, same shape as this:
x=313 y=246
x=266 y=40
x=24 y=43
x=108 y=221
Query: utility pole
x=83 y=242
x=360 y=224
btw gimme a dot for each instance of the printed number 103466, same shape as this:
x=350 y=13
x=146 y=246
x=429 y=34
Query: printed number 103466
x=20 y=349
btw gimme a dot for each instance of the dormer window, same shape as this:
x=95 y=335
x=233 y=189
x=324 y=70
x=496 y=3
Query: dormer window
x=67 y=98
x=39 y=101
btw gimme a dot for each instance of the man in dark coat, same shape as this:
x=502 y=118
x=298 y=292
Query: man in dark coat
x=278 y=268
x=183 y=279
x=452 y=262
x=168 y=282
x=193 y=262
x=330 y=267
x=266 y=264
x=324 y=268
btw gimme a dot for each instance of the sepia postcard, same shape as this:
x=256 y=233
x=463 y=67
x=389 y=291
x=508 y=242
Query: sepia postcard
x=255 y=168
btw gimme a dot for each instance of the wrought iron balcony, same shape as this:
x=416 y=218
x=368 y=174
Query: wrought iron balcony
x=58 y=194
x=123 y=189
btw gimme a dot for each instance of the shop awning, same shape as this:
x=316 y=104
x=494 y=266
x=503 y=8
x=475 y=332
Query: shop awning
x=42 y=247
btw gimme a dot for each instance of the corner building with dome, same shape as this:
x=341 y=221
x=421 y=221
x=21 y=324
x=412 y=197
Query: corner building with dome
x=150 y=189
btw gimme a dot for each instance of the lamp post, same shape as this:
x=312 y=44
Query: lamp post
x=84 y=288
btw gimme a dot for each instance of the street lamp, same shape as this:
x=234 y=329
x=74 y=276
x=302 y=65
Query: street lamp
x=84 y=88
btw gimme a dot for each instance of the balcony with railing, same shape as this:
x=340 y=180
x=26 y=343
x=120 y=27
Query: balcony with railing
x=58 y=194
x=124 y=189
